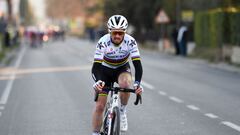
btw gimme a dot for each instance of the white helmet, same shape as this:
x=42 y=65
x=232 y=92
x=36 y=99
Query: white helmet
x=118 y=22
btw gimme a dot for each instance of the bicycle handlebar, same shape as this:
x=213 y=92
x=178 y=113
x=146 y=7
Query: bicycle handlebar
x=118 y=89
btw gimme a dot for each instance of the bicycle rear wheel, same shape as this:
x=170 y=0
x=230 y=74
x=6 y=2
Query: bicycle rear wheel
x=115 y=126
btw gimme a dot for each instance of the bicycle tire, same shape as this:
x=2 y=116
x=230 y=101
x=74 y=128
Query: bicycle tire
x=104 y=128
x=115 y=126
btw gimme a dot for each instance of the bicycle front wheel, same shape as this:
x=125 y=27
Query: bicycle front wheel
x=105 y=126
x=115 y=125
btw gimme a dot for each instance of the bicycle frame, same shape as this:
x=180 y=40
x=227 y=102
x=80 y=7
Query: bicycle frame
x=113 y=105
x=113 y=102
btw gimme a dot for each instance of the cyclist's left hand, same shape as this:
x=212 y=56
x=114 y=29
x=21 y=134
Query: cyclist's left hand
x=138 y=88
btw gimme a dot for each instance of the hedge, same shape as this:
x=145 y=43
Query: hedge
x=216 y=27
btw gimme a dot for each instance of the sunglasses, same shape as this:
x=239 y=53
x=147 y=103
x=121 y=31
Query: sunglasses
x=120 y=33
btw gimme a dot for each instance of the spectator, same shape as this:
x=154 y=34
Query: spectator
x=182 y=40
x=175 y=42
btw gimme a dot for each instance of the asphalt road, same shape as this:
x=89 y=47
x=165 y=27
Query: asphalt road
x=48 y=91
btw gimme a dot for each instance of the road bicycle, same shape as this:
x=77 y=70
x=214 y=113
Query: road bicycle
x=111 y=119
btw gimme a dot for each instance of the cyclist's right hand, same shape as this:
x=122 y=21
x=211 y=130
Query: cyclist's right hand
x=138 y=88
x=97 y=86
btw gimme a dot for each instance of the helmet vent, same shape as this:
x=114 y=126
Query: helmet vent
x=112 y=22
x=117 y=19
x=122 y=22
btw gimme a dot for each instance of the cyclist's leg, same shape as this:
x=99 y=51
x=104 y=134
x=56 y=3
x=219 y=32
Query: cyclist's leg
x=98 y=112
x=124 y=81
x=102 y=99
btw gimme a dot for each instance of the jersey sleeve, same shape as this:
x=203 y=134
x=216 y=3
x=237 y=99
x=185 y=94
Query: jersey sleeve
x=133 y=48
x=99 y=52
x=135 y=56
x=98 y=58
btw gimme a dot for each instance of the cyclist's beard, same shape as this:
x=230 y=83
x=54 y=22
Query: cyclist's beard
x=116 y=40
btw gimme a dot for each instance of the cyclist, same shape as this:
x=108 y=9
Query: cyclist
x=111 y=65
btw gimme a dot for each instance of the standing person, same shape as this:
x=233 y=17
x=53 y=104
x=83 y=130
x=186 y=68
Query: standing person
x=111 y=65
x=182 y=40
x=175 y=42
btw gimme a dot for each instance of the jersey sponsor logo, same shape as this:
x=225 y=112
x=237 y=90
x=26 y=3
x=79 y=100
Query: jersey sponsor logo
x=97 y=53
x=111 y=53
x=123 y=52
x=134 y=51
x=114 y=57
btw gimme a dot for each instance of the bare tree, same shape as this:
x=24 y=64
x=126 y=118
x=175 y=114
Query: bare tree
x=9 y=5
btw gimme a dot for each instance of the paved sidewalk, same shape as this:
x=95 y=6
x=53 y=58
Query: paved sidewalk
x=225 y=66
x=220 y=66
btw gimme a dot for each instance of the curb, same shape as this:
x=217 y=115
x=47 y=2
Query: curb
x=226 y=67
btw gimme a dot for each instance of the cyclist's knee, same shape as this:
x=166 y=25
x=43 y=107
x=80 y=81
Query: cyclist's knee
x=124 y=84
x=124 y=80
x=100 y=108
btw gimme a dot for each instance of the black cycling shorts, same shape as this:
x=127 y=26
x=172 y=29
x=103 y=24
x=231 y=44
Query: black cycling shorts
x=109 y=75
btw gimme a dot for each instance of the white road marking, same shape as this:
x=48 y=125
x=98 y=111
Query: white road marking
x=8 y=88
x=1 y=107
x=231 y=125
x=147 y=85
x=46 y=70
x=210 y=115
x=175 y=99
x=0 y=114
x=192 y=107
x=162 y=93
x=6 y=78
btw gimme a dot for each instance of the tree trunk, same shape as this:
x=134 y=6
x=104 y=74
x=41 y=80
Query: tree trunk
x=9 y=5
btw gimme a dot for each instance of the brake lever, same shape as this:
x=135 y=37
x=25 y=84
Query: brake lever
x=138 y=98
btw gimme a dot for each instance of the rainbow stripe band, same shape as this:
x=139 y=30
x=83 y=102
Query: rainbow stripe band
x=102 y=94
x=135 y=58
x=98 y=60
x=115 y=64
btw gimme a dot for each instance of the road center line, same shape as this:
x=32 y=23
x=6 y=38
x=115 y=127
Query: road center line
x=8 y=88
x=192 y=107
x=147 y=85
x=162 y=93
x=175 y=99
x=210 y=115
x=231 y=125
